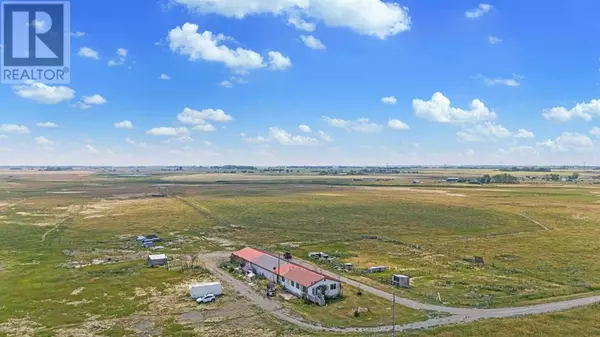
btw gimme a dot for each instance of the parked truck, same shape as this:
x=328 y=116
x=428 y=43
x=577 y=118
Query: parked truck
x=202 y=289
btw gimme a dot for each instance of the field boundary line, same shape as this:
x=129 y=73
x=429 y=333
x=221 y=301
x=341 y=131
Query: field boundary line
x=203 y=211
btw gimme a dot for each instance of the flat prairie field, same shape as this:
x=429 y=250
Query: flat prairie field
x=70 y=265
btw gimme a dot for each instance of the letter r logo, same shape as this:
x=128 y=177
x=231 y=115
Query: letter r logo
x=33 y=33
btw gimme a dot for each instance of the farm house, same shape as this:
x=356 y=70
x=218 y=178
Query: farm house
x=294 y=278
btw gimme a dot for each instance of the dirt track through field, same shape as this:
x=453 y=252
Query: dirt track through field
x=534 y=221
x=60 y=223
x=458 y=315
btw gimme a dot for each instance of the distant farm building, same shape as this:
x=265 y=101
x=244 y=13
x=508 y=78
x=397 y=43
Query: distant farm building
x=157 y=260
x=295 y=279
x=452 y=179
x=377 y=269
x=318 y=255
x=401 y=281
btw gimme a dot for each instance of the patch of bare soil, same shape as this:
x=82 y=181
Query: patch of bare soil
x=106 y=206
x=43 y=224
x=19 y=327
x=409 y=189
x=77 y=291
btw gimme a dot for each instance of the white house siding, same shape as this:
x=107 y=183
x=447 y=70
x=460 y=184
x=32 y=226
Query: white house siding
x=264 y=273
x=292 y=288
x=327 y=283
x=336 y=291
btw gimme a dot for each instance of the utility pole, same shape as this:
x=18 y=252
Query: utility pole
x=393 y=315
x=277 y=271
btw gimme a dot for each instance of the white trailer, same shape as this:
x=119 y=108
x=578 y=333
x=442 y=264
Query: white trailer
x=202 y=289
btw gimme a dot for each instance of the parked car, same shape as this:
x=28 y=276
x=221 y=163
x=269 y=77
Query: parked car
x=206 y=299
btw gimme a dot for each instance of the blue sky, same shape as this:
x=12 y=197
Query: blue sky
x=208 y=82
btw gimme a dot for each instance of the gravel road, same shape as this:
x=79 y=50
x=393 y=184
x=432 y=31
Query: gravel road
x=458 y=315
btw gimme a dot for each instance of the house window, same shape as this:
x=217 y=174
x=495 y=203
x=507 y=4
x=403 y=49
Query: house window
x=293 y=283
x=333 y=287
x=304 y=288
x=297 y=285
x=282 y=279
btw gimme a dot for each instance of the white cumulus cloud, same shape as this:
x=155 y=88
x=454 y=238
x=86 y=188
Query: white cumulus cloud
x=363 y=125
x=186 y=40
x=168 y=131
x=397 y=124
x=595 y=131
x=205 y=127
x=389 y=100
x=44 y=94
x=93 y=100
x=438 y=109
x=196 y=117
x=89 y=53
x=285 y=138
x=120 y=59
x=13 y=128
x=522 y=133
x=301 y=24
x=312 y=42
x=367 y=17
x=478 y=11
x=279 y=62
x=126 y=124
x=585 y=111
x=568 y=141
x=304 y=128
x=46 y=125
x=164 y=77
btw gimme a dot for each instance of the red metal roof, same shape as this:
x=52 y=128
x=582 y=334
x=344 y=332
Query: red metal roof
x=289 y=270
x=303 y=276
x=285 y=268
x=248 y=254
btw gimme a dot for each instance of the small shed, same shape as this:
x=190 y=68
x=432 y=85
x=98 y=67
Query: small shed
x=157 y=260
x=377 y=269
x=401 y=281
